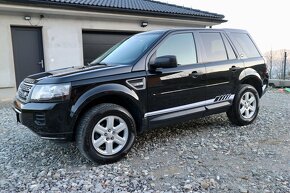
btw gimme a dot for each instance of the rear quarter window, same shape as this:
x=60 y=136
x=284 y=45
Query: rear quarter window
x=247 y=46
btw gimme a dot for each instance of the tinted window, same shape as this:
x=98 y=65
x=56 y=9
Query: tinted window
x=246 y=44
x=214 y=47
x=128 y=51
x=230 y=51
x=180 y=45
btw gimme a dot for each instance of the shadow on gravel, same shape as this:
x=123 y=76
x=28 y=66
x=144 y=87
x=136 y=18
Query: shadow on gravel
x=21 y=148
x=170 y=133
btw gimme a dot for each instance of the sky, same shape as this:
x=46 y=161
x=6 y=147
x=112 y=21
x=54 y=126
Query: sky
x=266 y=21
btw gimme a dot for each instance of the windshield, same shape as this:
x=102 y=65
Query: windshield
x=128 y=51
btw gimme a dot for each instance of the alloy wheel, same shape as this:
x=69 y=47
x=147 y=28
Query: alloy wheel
x=248 y=105
x=110 y=135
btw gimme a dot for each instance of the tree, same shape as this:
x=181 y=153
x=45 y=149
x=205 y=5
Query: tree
x=275 y=63
x=269 y=57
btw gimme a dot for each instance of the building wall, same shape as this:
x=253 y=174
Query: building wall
x=7 y=76
x=62 y=34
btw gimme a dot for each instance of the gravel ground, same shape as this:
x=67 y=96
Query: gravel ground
x=204 y=155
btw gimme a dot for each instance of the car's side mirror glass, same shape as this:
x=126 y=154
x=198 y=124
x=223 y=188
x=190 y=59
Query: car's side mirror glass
x=168 y=61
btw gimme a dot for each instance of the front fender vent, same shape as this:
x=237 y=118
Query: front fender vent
x=137 y=83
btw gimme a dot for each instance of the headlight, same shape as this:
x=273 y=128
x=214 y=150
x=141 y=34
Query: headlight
x=50 y=93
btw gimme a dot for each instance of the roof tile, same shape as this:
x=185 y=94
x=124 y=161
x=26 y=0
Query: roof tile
x=137 y=5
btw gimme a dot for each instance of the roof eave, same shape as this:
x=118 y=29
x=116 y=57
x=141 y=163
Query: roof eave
x=118 y=10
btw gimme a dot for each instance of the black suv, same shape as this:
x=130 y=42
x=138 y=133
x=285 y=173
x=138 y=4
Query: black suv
x=150 y=80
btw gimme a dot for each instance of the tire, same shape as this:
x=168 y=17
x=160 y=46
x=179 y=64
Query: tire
x=106 y=133
x=245 y=107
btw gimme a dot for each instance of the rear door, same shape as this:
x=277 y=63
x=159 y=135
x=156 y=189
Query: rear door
x=173 y=91
x=222 y=67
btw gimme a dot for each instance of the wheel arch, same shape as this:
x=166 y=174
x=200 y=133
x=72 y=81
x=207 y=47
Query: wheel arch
x=112 y=93
x=254 y=81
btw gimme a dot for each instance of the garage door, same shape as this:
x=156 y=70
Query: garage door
x=97 y=43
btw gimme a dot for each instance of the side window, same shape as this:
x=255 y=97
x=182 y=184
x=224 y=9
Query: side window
x=214 y=47
x=230 y=51
x=180 y=45
x=246 y=44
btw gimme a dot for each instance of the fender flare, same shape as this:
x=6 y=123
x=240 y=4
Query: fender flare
x=100 y=91
x=250 y=73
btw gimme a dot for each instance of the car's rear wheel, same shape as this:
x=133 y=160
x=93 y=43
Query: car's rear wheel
x=106 y=133
x=245 y=107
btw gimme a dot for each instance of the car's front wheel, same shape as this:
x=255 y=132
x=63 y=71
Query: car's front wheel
x=106 y=133
x=245 y=107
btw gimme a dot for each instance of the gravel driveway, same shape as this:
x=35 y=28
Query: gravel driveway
x=204 y=155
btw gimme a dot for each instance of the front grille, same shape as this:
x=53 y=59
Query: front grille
x=29 y=80
x=24 y=90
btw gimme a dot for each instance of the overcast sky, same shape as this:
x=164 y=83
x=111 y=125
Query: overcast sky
x=267 y=21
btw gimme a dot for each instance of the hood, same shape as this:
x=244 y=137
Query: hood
x=77 y=73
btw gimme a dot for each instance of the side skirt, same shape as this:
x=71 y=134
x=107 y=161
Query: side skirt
x=175 y=115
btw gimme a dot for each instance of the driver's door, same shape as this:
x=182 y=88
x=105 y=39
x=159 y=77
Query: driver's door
x=176 y=91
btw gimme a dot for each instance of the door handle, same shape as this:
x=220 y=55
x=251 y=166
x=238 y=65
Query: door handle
x=234 y=68
x=195 y=74
x=41 y=63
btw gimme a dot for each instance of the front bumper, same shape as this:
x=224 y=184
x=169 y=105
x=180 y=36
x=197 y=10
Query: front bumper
x=48 y=120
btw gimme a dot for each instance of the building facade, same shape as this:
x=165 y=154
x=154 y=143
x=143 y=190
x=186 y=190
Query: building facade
x=44 y=35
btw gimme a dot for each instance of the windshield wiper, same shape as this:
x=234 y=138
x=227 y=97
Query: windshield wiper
x=96 y=64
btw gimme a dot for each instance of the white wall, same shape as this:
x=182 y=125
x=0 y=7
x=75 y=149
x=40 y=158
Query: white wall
x=7 y=76
x=62 y=44
x=62 y=33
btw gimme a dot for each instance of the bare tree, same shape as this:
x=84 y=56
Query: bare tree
x=288 y=66
x=281 y=61
x=269 y=57
x=275 y=63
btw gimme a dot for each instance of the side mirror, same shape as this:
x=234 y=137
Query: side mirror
x=169 y=61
